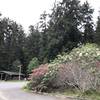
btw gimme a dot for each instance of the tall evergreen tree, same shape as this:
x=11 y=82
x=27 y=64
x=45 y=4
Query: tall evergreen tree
x=43 y=52
x=88 y=24
x=12 y=44
x=33 y=43
x=63 y=30
x=97 y=33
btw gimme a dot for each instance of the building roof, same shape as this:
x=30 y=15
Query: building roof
x=11 y=73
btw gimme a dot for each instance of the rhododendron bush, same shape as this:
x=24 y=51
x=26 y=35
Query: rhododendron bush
x=38 y=72
x=80 y=69
x=37 y=75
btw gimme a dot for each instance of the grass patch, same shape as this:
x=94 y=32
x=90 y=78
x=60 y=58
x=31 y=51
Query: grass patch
x=92 y=95
x=67 y=93
x=88 y=95
x=27 y=87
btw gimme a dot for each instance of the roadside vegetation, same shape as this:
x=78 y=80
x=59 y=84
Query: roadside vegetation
x=61 y=53
x=77 y=71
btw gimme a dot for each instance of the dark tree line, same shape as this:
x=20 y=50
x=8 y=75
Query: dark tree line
x=69 y=24
x=12 y=41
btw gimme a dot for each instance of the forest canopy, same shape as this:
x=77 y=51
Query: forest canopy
x=70 y=24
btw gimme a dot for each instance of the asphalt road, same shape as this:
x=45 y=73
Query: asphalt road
x=13 y=91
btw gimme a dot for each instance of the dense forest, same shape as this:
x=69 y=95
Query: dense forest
x=69 y=25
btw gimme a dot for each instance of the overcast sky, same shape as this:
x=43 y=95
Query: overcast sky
x=27 y=12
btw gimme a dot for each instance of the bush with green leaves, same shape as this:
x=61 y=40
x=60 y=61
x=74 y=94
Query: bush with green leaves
x=78 y=69
x=37 y=76
x=34 y=63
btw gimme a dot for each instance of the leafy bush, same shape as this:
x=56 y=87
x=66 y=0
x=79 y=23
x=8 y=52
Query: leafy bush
x=34 y=63
x=79 y=69
x=37 y=76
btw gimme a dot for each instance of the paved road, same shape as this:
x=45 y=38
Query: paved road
x=13 y=91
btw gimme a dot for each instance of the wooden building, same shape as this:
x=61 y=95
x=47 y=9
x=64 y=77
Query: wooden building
x=7 y=75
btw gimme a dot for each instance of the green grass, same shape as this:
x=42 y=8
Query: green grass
x=92 y=95
x=88 y=95
x=27 y=87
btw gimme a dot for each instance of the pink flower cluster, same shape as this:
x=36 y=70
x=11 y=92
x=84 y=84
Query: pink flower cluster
x=40 y=71
x=98 y=64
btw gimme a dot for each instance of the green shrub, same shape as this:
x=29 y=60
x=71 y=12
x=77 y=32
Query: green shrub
x=29 y=86
x=34 y=63
x=37 y=77
x=79 y=69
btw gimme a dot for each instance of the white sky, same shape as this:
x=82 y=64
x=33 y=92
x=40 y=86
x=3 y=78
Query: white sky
x=27 y=12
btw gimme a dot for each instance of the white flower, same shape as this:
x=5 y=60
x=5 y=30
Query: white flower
x=80 y=54
x=98 y=53
x=97 y=49
x=86 y=54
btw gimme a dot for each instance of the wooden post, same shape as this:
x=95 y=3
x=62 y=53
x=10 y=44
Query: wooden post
x=1 y=75
x=19 y=72
x=6 y=77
